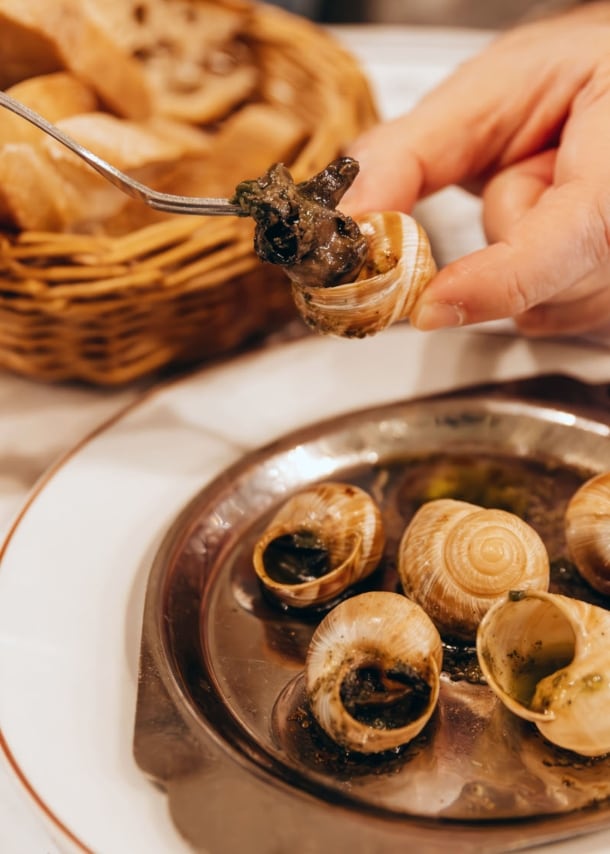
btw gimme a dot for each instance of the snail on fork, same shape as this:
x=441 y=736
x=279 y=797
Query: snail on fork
x=350 y=278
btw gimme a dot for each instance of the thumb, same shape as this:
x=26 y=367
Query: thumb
x=549 y=248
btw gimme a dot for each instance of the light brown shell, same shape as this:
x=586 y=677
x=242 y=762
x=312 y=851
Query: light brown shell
x=456 y=559
x=587 y=531
x=372 y=630
x=547 y=658
x=347 y=520
x=400 y=264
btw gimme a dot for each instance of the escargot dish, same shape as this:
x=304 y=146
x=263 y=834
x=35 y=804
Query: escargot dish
x=587 y=530
x=372 y=672
x=349 y=277
x=323 y=540
x=546 y=657
x=456 y=559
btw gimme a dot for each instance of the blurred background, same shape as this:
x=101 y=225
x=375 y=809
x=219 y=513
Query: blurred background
x=486 y=14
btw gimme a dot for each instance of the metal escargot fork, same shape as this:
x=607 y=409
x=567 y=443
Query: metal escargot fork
x=159 y=201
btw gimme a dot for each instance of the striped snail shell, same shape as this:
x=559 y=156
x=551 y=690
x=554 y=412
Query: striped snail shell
x=323 y=540
x=373 y=672
x=587 y=531
x=399 y=265
x=456 y=559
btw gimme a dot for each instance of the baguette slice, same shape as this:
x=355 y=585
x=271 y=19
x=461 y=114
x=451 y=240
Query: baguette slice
x=44 y=186
x=194 y=54
x=43 y=36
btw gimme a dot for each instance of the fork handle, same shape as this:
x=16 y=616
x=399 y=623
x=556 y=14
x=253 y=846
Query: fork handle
x=159 y=201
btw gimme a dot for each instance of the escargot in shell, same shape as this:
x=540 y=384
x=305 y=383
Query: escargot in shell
x=373 y=672
x=546 y=657
x=456 y=559
x=349 y=277
x=321 y=541
x=587 y=531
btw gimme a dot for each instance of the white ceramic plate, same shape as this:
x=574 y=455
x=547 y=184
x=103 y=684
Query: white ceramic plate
x=74 y=567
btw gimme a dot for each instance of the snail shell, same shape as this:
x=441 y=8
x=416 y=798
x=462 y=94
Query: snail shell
x=399 y=265
x=373 y=672
x=587 y=531
x=546 y=657
x=456 y=559
x=321 y=541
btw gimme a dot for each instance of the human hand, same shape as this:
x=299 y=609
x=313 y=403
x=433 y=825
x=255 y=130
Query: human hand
x=527 y=123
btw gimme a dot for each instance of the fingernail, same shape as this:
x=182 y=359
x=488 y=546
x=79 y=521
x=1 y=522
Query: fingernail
x=437 y=315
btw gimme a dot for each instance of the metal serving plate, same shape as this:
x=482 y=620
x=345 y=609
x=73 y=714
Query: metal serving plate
x=222 y=720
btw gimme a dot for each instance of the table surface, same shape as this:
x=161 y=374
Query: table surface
x=40 y=422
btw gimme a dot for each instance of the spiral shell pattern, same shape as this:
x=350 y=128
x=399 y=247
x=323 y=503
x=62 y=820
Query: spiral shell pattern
x=344 y=521
x=378 y=632
x=587 y=531
x=399 y=266
x=456 y=559
x=547 y=658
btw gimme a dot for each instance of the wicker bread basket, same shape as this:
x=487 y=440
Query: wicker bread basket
x=108 y=303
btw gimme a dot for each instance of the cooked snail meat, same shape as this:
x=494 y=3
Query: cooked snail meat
x=296 y=557
x=297 y=226
x=385 y=698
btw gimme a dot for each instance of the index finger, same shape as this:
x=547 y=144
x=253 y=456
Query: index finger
x=499 y=107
